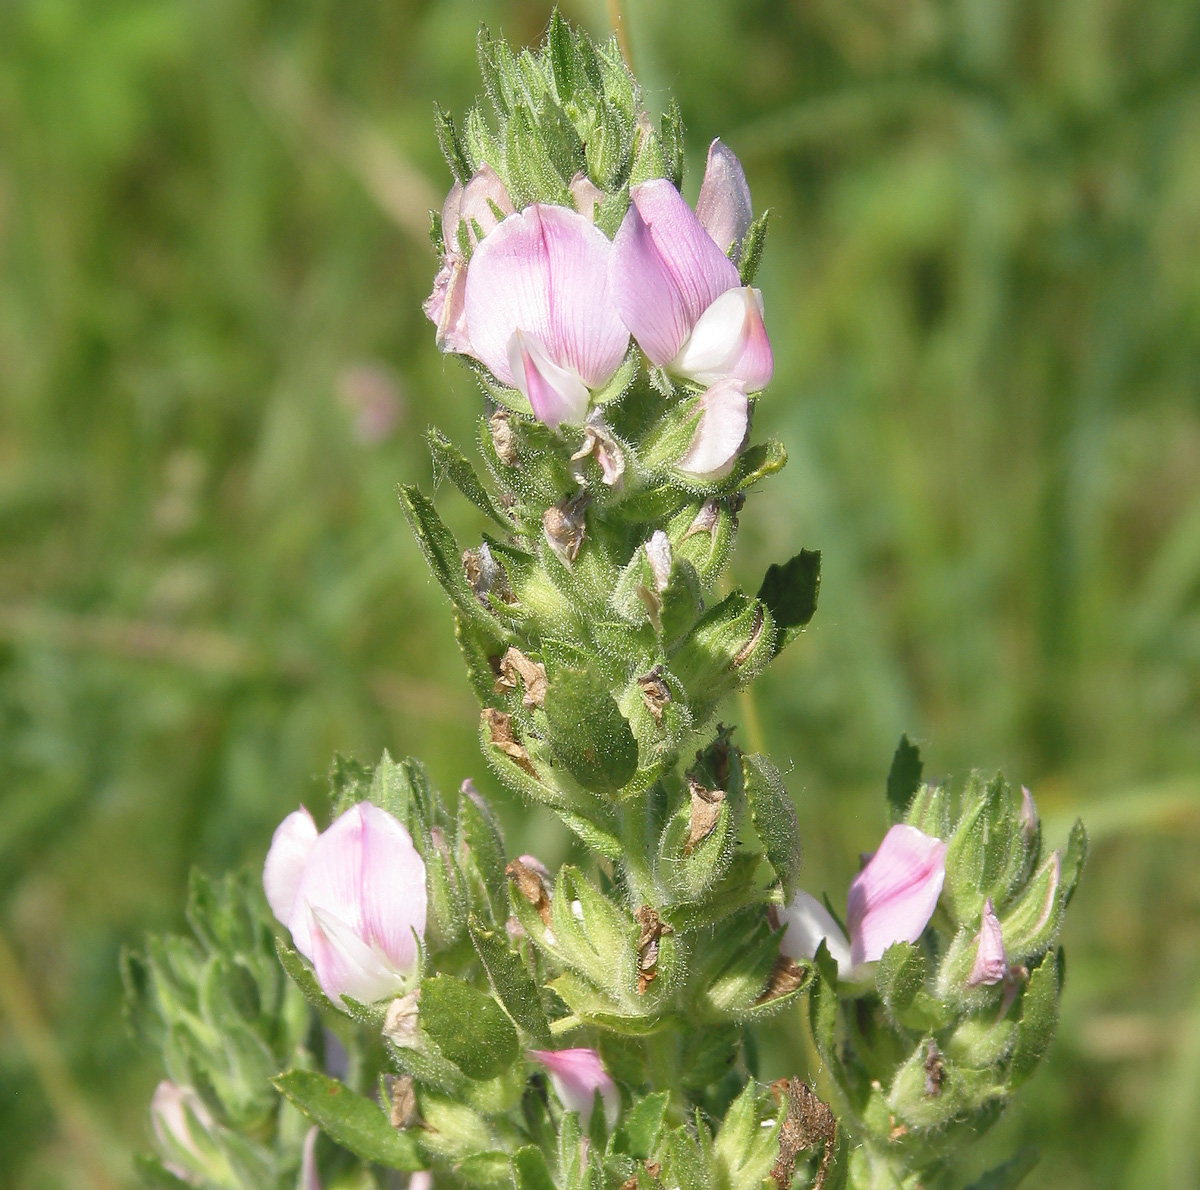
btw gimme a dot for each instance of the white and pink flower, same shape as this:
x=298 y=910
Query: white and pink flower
x=576 y=1075
x=353 y=898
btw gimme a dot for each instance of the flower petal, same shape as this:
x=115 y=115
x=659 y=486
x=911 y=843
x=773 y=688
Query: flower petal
x=658 y=554
x=729 y=342
x=586 y=195
x=393 y=888
x=721 y=432
x=308 y=1162
x=724 y=204
x=473 y=203
x=331 y=880
x=545 y=272
x=667 y=270
x=556 y=394
x=809 y=924
x=345 y=965
x=577 y=1074
x=894 y=896
x=991 y=963
x=291 y=846
x=446 y=308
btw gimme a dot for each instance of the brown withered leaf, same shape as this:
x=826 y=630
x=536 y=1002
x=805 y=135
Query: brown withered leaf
x=655 y=692
x=808 y=1123
x=486 y=575
x=404 y=1101
x=563 y=525
x=531 y=886
x=706 y=809
x=652 y=928
x=503 y=439
x=500 y=734
x=935 y=1070
x=786 y=976
x=743 y=654
x=705 y=521
x=513 y=665
x=651 y=1167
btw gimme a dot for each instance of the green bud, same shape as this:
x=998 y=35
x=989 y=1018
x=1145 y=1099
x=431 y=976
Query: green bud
x=985 y=852
x=1030 y=927
x=930 y=1090
x=929 y=810
x=728 y=647
x=587 y=733
x=695 y=848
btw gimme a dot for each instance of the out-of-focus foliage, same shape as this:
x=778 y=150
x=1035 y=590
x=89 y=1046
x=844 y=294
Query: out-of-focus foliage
x=984 y=297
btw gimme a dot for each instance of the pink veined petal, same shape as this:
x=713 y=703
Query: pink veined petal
x=809 y=924
x=345 y=965
x=308 y=1163
x=291 y=846
x=991 y=962
x=332 y=880
x=393 y=888
x=556 y=394
x=894 y=896
x=445 y=307
x=544 y=272
x=666 y=269
x=483 y=191
x=729 y=342
x=721 y=432
x=577 y=1074
x=450 y=217
x=723 y=207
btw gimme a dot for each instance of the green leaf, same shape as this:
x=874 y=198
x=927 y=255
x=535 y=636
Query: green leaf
x=904 y=778
x=451 y=463
x=479 y=831
x=445 y=560
x=790 y=591
x=512 y=981
x=301 y=974
x=587 y=733
x=774 y=816
x=529 y=1170
x=1039 y=1018
x=752 y=248
x=1009 y=1175
x=469 y=1027
x=1073 y=860
x=352 y=1120
x=638 y=1132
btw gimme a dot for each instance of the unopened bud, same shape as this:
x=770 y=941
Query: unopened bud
x=182 y=1127
x=991 y=963
x=1032 y=924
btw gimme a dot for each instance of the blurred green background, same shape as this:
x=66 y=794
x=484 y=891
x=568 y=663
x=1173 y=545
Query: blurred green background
x=983 y=286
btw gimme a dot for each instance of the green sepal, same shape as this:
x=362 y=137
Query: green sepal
x=300 y=972
x=479 y=834
x=469 y=1027
x=511 y=981
x=353 y=1121
x=450 y=145
x=587 y=733
x=753 y=244
x=689 y=873
x=924 y=1102
x=791 y=591
x=671 y=136
x=774 y=816
x=728 y=647
x=747 y=1145
x=754 y=463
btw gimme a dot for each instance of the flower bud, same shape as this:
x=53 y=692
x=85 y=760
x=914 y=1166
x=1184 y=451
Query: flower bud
x=576 y=1076
x=894 y=896
x=991 y=963
x=724 y=208
x=182 y=1128
x=354 y=902
x=1032 y=924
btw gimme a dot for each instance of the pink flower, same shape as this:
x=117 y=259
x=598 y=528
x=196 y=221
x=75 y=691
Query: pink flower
x=724 y=420
x=809 y=924
x=353 y=898
x=890 y=900
x=576 y=1075
x=473 y=208
x=723 y=207
x=894 y=896
x=540 y=312
x=681 y=296
x=991 y=963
